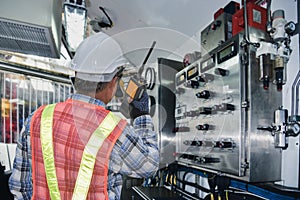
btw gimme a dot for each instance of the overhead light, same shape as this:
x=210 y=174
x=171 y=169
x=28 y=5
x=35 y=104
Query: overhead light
x=75 y=14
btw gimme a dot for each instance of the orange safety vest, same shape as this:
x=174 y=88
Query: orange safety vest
x=65 y=140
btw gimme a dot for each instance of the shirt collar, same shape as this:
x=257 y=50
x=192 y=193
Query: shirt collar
x=87 y=99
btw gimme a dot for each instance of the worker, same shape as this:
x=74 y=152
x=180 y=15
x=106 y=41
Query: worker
x=77 y=149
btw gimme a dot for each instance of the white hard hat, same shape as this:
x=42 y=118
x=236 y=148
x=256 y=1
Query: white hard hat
x=98 y=58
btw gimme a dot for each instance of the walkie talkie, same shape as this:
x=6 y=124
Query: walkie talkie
x=135 y=87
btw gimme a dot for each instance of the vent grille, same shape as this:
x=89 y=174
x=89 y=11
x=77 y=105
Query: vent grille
x=28 y=39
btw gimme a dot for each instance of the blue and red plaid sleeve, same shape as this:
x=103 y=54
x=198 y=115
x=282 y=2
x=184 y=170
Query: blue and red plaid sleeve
x=137 y=147
x=20 y=182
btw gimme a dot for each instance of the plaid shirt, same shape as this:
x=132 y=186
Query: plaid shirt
x=135 y=154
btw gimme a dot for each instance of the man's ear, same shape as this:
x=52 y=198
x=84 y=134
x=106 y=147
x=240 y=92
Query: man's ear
x=113 y=82
x=115 y=79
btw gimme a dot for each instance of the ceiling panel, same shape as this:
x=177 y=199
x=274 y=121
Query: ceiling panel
x=185 y=16
x=173 y=24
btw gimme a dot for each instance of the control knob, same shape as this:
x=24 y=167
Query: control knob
x=205 y=110
x=202 y=127
x=209 y=160
x=205 y=78
x=192 y=84
x=205 y=94
x=222 y=72
x=224 y=144
x=224 y=107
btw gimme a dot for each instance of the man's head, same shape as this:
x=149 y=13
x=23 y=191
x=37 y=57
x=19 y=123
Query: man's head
x=103 y=91
x=98 y=64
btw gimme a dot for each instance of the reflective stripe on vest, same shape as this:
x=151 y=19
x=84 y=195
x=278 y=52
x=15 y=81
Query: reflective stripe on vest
x=47 y=149
x=88 y=158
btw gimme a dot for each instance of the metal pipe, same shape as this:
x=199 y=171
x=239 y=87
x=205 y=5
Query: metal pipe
x=295 y=97
x=269 y=22
x=10 y=109
x=269 y=10
x=244 y=67
x=4 y=108
x=18 y=102
x=30 y=95
x=23 y=110
x=298 y=21
x=246 y=20
x=1 y=104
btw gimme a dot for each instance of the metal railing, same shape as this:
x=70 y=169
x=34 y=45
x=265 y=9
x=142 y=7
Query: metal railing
x=20 y=96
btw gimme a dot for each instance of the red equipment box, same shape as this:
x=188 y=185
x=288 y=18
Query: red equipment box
x=257 y=18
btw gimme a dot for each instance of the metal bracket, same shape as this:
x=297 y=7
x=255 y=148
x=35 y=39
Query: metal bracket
x=244 y=167
x=245 y=104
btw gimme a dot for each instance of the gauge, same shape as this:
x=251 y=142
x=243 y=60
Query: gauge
x=150 y=78
x=296 y=128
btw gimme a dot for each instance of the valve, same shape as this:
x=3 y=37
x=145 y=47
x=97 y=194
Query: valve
x=290 y=28
x=282 y=127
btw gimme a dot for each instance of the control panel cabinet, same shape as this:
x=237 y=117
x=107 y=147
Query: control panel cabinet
x=220 y=103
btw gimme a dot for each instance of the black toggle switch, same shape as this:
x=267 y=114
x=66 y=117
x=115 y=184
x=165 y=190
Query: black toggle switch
x=224 y=144
x=181 y=129
x=192 y=113
x=196 y=143
x=216 y=24
x=192 y=84
x=222 y=72
x=205 y=94
x=205 y=110
x=205 y=78
x=209 y=160
x=202 y=127
x=224 y=107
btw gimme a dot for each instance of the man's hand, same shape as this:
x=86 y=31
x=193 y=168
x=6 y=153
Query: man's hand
x=139 y=107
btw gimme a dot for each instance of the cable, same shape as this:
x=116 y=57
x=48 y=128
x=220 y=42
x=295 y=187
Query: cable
x=195 y=185
x=227 y=195
x=236 y=186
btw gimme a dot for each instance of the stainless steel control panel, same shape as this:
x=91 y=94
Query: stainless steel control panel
x=220 y=102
